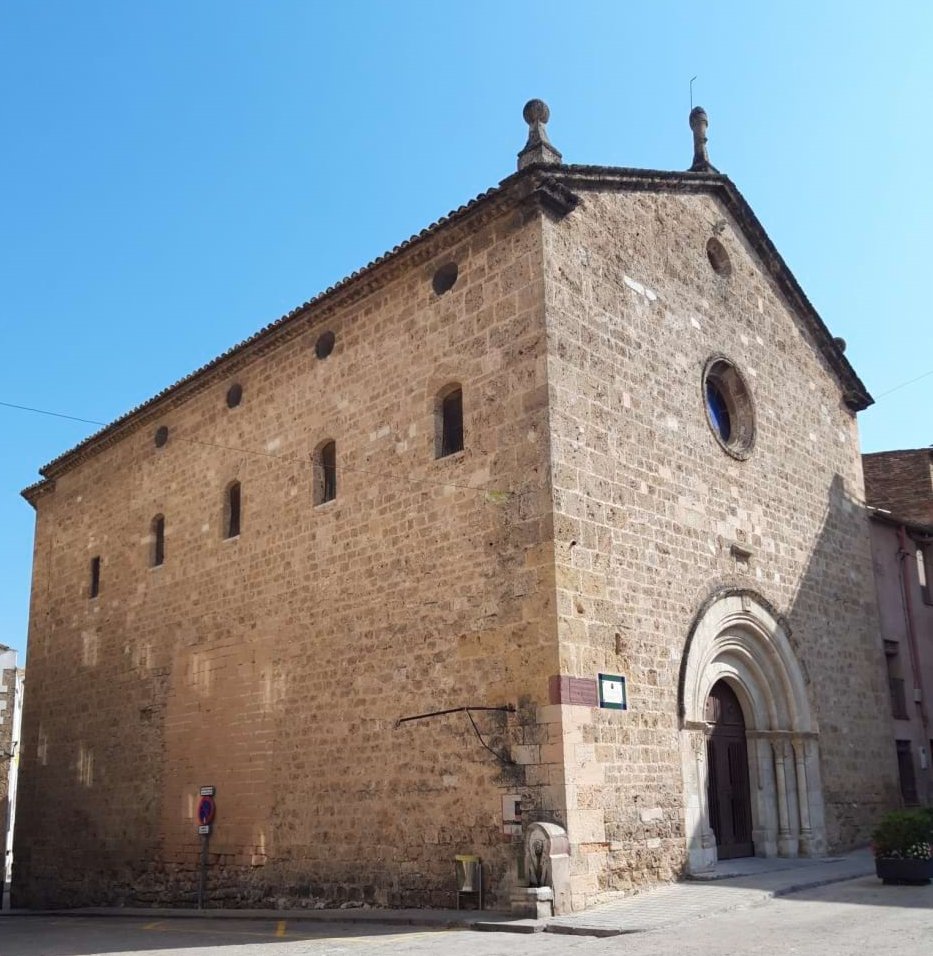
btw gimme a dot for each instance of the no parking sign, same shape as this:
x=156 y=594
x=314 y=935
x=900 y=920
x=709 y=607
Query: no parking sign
x=206 y=810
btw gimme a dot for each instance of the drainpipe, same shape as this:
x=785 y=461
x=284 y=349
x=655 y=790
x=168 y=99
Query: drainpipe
x=902 y=556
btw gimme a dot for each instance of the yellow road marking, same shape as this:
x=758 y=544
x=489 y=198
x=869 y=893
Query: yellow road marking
x=151 y=925
x=280 y=929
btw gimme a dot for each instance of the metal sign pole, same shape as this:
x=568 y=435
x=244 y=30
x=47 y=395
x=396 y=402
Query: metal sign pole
x=202 y=875
x=206 y=810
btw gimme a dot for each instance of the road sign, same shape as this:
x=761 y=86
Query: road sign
x=206 y=810
x=208 y=791
x=204 y=829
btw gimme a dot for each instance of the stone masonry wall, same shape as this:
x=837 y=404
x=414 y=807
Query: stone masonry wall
x=590 y=516
x=647 y=505
x=274 y=665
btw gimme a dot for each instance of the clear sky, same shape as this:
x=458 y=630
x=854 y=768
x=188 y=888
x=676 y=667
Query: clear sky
x=179 y=173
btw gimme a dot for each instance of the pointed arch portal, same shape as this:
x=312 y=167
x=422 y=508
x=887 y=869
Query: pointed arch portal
x=738 y=641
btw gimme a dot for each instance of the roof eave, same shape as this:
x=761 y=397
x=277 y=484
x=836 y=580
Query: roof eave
x=550 y=188
x=883 y=516
x=529 y=186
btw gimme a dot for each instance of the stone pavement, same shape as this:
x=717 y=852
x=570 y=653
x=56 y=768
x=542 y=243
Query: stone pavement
x=736 y=884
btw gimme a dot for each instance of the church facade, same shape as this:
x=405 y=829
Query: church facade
x=555 y=513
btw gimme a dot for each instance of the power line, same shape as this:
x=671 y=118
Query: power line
x=905 y=384
x=282 y=458
x=362 y=471
x=42 y=411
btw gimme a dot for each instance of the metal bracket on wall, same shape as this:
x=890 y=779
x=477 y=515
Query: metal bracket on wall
x=508 y=709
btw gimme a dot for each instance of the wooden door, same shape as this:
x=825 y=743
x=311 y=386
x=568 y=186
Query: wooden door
x=730 y=808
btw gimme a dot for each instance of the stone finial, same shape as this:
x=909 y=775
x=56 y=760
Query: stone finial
x=538 y=149
x=699 y=123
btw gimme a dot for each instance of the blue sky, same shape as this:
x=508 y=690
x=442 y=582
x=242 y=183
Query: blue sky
x=178 y=174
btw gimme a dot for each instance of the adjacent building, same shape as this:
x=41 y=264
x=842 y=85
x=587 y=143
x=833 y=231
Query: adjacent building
x=11 y=709
x=553 y=513
x=899 y=487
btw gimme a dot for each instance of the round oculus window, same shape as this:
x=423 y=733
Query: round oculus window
x=234 y=395
x=445 y=278
x=161 y=436
x=718 y=258
x=729 y=409
x=325 y=344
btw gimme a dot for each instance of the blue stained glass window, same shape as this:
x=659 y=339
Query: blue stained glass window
x=718 y=410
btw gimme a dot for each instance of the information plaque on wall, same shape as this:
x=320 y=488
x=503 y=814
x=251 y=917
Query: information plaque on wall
x=612 y=691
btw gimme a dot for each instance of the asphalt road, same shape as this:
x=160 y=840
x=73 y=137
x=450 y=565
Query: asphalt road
x=857 y=917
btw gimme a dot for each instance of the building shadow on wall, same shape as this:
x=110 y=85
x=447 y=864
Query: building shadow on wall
x=810 y=678
x=835 y=631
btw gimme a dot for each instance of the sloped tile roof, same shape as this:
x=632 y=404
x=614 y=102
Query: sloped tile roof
x=555 y=186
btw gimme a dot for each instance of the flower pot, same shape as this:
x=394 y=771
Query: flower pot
x=907 y=872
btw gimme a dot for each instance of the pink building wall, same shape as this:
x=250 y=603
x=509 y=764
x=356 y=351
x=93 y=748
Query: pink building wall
x=905 y=599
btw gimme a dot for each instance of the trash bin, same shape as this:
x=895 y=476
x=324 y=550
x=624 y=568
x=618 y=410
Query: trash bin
x=469 y=878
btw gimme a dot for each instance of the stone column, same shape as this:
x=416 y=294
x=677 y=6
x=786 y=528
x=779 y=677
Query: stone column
x=800 y=762
x=787 y=842
x=701 y=841
x=707 y=837
x=764 y=796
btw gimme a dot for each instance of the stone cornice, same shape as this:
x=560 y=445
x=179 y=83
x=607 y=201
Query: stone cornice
x=41 y=488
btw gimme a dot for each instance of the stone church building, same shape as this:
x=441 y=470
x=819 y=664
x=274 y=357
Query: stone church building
x=572 y=477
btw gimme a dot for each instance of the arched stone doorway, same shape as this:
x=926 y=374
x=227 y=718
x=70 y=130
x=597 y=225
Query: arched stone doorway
x=738 y=642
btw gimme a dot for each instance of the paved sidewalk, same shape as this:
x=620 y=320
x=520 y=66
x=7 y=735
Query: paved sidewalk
x=736 y=884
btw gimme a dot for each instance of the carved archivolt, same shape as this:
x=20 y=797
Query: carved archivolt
x=740 y=640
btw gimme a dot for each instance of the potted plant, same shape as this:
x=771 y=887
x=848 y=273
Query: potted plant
x=903 y=846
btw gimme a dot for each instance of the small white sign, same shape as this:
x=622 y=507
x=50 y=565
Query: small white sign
x=208 y=792
x=204 y=829
x=612 y=692
x=512 y=808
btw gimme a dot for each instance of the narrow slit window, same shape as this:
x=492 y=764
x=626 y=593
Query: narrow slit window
x=158 y=541
x=325 y=473
x=923 y=576
x=906 y=772
x=449 y=437
x=95 y=577
x=232 y=511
